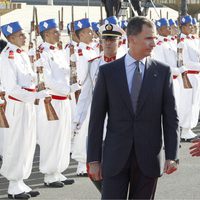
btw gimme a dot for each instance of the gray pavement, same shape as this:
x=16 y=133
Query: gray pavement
x=183 y=184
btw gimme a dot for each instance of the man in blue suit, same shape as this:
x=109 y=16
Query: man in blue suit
x=137 y=94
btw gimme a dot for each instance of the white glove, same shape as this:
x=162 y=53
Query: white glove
x=74 y=87
x=42 y=94
x=183 y=69
x=73 y=58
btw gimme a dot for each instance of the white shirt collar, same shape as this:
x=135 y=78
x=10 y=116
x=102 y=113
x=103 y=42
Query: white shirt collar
x=129 y=60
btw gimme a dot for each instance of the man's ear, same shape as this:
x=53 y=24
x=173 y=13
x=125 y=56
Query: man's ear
x=131 y=38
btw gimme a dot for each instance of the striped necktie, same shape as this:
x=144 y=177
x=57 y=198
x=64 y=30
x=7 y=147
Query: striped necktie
x=136 y=85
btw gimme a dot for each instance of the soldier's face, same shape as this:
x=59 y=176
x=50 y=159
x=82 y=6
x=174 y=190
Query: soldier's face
x=18 y=39
x=187 y=29
x=194 y=29
x=52 y=36
x=110 y=46
x=86 y=35
x=142 y=44
x=164 y=31
x=174 y=30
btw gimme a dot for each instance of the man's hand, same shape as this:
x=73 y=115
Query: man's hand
x=170 y=166
x=195 y=148
x=94 y=171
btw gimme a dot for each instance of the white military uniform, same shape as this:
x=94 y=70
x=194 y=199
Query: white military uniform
x=18 y=79
x=54 y=137
x=72 y=58
x=96 y=46
x=83 y=109
x=85 y=53
x=166 y=52
x=190 y=98
x=1 y=129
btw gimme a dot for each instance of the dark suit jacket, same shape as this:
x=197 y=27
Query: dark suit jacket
x=155 y=120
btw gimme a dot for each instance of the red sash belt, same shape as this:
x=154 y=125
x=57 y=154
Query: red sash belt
x=30 y=90
x=27 y=89
x=175 y=76
x=58 y=97
x=192 y=72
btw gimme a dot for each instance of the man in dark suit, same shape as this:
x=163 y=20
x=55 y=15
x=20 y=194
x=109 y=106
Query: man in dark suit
x=137 y=94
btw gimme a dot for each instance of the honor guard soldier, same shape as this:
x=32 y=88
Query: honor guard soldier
x=71 y=53
x=110 y=40
x=165 y=51
x=194 y=34
x=190 y=97
x=173 y=34
x=3 y=44
x=96 y=44
x=54 y=137
x=19 y=82
x=173 y=28
x=114 y=20
x=85 y=35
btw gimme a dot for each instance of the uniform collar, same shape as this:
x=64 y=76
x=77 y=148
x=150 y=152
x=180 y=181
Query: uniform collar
x=84 y=46
x=185 y=36
x=14 y=48
x=49 y=46
x=162 y=38
x=107 y=59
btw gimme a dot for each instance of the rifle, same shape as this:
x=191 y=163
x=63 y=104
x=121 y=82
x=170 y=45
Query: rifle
x=100 y=24
x=37 y=31
x=73 y=74
x=60 y=18
x=3 y=119
x=32 y=28
x=50 y=111
x=60 y=25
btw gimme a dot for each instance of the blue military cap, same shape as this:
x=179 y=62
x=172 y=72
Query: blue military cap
x=194 y=21
x=161 y=22
x=47 y=24
x=10 y=28
x=111 y=20
x=95 y=26
x=172 y=22
x=186 y=20
x=82 y=23
x=124 y=24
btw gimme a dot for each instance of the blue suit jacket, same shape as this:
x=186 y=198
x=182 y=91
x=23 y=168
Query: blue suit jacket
x=155 y=120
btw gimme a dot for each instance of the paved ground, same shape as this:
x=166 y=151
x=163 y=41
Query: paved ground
x=184 y=184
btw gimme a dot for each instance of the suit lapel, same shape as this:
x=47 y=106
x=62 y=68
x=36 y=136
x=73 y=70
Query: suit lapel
x=121 y=80
x=149 y=79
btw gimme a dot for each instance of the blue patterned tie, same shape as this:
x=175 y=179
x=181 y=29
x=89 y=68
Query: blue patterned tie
x=136 y=85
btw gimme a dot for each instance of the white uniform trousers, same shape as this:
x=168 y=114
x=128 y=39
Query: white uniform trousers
x=19 y=145
x=190 y=103
x=80 y=145
x=54 y=138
